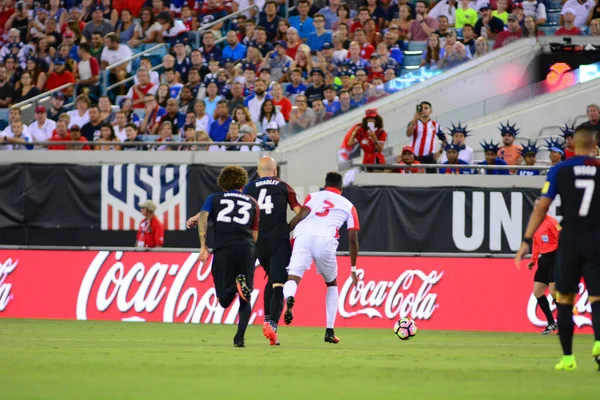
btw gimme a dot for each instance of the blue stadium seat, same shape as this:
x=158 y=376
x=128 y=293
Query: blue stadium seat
x=412 y=60
x=415 y=46
x=548 y=29
x=553 y=17
x=149 y=138
x=555 y=4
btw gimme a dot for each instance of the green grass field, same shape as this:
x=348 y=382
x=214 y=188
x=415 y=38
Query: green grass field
x=103 y=360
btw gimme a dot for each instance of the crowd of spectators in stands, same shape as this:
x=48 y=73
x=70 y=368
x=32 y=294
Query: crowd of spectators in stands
x=265 y=80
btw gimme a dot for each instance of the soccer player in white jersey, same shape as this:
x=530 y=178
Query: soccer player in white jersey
x=316 y=232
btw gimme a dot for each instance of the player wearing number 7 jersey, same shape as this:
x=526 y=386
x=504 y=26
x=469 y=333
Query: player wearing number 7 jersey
x=316 y=233
x=235 y=218
x=273 y=248
x=577 y=181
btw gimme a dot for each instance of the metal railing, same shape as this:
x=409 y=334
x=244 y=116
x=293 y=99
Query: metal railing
x=364 y=167
x=141 y=144
x=131 y=78
x=228 y=17
x=41 y=97
x=127 y=60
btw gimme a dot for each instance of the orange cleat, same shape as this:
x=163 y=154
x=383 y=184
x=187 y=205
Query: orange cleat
x=270 y=334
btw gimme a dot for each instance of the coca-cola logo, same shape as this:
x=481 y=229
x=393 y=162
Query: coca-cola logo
x=6 y=268
x=160 y=292
x=408 y=296
x=583 y=309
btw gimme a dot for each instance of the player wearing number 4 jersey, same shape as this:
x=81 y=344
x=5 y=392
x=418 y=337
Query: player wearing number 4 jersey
x=577 y=181
x=316 y=233
x=273 y=248
x=235 y=218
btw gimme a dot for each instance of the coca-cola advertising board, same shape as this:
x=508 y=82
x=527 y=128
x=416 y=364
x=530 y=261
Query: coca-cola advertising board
x=439 y=293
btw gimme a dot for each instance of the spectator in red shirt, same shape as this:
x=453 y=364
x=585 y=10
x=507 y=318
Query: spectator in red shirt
x=61 y=77
x=151 y=232
x=60 y=134
x=371 y=137
x=293 y=42
x=408 y=158
x=568 y=28
x=88 y=70
x=75 y=132
x=283 y=104
x=366 y=49
x=363 y=15
x=512 y=34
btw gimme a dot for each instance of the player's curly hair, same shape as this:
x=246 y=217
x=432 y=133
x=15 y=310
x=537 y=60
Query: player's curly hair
x=232 y=177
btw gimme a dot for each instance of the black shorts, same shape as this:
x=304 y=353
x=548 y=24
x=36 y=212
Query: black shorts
x=578 y=257
x=545 y=268
x=228 y=263
x=274 y=256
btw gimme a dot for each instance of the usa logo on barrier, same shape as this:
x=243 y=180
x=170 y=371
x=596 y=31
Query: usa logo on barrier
x=125 y=186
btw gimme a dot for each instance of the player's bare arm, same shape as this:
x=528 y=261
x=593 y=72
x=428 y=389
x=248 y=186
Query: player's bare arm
x=297 y=209
x=537 y=217
x=192 y=221
x=304 y=212
x=353 y=241
x=202 y=227
x=255 y=235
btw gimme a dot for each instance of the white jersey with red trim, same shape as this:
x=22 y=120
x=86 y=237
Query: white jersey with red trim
x=329 y=210
x=423 y=138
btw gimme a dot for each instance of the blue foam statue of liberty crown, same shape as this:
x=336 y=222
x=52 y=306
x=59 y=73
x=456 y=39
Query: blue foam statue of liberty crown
x=529 y=148
x=491 y=146
x=508 y=128
x=554 y=145
x=452 y=146
x=567 y=131
x=459 y=128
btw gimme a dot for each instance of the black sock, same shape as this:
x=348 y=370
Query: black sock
x=267 y=300
x=596 y=319
x=276 y=304
x=566 y=326
x=545 y=307
x=245 y=312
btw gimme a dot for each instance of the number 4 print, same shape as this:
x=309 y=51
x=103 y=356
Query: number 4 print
x=325 y=210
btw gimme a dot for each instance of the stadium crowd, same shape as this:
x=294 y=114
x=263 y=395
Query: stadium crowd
x=252 y=80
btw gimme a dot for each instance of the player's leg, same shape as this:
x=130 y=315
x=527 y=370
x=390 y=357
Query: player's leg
x=244 y=267
x=326 y=262
x=540 y=283
x=277 y=276
x=299 y=263
x=591 y=276
x=263 y=255
x=223 y=278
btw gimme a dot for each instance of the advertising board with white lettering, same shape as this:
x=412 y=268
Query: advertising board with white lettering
x=439 y=293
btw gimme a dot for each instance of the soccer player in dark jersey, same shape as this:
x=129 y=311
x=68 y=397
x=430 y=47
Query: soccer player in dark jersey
x=577 y=181
x=235 y=218
x=273 y=248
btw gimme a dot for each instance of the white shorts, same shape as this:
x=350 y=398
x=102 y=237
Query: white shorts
x=318 y=248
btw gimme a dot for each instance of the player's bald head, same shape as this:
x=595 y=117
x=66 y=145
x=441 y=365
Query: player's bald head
x=585 y=140
x=267 y=167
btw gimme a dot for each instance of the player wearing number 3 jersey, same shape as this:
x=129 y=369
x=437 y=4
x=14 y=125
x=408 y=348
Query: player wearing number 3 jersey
x=235 y=219
x=316 y=233
x=273 y=248
x=577 y=181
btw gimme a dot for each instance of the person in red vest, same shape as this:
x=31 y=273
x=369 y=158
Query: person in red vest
x=371 y=137
x=144 y=87
x=151 y=232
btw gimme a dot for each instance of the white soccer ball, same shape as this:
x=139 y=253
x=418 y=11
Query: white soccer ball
x=405 y=328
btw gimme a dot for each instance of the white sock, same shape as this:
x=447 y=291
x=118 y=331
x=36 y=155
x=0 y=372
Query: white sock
x=331 y=302
x=289 y=289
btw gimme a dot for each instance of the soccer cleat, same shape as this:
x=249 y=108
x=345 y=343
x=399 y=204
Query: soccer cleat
x=596 y=353
x=288 y=316
x=330 y=337
x=270 y=333
x=566 y=363
x=550 y=328
x=242 y=288
x=238 y=341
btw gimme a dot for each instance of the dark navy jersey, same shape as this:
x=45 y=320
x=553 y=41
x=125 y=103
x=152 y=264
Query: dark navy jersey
x=498 y=161
x=525 y=172
x=234 y=216
x=577 y=181
x=273 y=196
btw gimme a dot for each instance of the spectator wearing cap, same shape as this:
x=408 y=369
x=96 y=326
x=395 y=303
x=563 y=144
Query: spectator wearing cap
x=370 y=136
x=331 y=101
x=41 y=129
x=465 y=14
x=234 y=49
x=407 y=157
x=444 y=8
x=98 y=24
x=60 y=134
x=510 y=152
x=302 y=117
x=248 y=136
x=88 y=71
x=557 y=153
x=316 y=39
x=7 y=90
x=75 y=135
x=487 y=25
x=459 y=134
x=270 y=139
x=302 y=22
x=451 y=154
x=59 y=77
x=568 y=27
x=512 y=34
x=491 y=158
x=581 y=9
x=293 y=42
x=423 y=25
x=529 y=153
x=317 y=88
x=150 y=232
x=57 y=106
x=269 y=20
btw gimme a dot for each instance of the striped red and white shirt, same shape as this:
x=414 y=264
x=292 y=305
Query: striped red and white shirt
x=423 y=138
